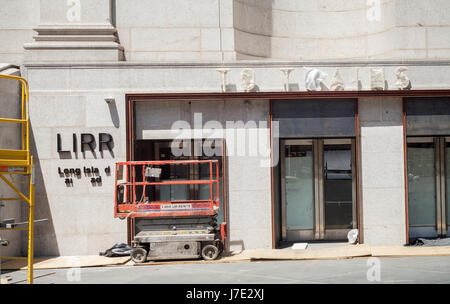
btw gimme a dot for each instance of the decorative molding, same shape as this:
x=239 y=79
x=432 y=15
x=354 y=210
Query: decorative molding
x=248 y=80
x=287 y=72
x=287 y=95
x=314 y=80
x=403 y=82
x=377 y=80
x=236 y=64
x=97 y=41
x=337 y=83
x=223 y=72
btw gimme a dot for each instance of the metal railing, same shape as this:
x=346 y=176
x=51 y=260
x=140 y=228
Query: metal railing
x=133 y=184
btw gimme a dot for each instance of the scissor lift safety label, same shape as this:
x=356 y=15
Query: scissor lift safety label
x=175 y=206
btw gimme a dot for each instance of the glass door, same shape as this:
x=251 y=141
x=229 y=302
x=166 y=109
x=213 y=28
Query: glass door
x=318 y=189
x=447 y=181
x=298 y=191
x=427 y=208
x=339 y=188
x=172 y=173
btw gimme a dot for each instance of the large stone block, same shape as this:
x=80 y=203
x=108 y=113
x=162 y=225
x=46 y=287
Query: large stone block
x=437 y=37
x=382 y=170
x=227 y=39
x=48 y=80
x=81 y=11
x=57 y=111
x=210 y=39
x=250 y=219
x=417 y=12
x=27 y=9
x=166 y=56
x=80 y=226
x=381 y=110
x=92 y=53
x=226 y=13
x=102 y=114
x=394 y=235
x=165 y=39
x=13 y=39
x=381 y=138
x=413 y=37
x=384 y=206
x=169 y=13
x=256 y=179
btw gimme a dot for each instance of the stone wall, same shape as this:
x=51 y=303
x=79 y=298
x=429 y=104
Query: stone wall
x=17 y=20
x=64 y=100
x=324 y=30
x=174 y=30
x=216 y=30
x=81 y=214
x=382 y=171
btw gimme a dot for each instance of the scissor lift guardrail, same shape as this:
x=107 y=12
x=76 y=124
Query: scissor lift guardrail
x=131 y=206
x=20 y=162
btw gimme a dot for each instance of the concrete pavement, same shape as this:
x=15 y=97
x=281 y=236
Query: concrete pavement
x=357 y=270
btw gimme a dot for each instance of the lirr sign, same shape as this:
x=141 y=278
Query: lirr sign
x=87 y=140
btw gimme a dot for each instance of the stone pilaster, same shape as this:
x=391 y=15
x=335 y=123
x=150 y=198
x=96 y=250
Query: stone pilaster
x=75 y=30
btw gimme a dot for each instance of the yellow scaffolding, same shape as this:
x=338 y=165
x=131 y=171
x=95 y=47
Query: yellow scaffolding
x=20 y=162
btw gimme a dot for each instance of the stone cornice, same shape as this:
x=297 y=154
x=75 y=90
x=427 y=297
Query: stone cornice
x=238 y=64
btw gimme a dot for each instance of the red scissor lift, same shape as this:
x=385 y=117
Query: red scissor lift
x=175 y=229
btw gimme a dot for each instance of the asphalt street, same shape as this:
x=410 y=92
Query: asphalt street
x=358 y=270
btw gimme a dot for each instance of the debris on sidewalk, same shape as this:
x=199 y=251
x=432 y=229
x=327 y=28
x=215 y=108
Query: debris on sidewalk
x=119 y=249
x=352 y=236
x=432 y=242
x=299 y=246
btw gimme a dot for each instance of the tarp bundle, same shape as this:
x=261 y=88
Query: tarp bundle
x=119 y=249
x=433 y=242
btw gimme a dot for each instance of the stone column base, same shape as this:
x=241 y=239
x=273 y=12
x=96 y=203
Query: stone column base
x=75 y=43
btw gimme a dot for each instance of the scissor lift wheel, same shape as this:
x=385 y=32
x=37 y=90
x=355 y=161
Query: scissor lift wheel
x=139 y=255
x=210 y=252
